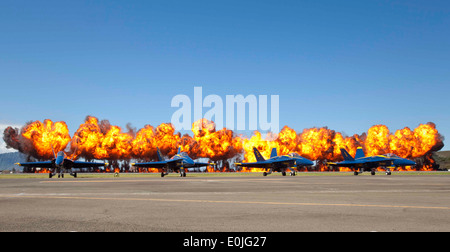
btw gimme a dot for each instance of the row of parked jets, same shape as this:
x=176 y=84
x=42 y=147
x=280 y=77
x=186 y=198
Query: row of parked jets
x=181 y=161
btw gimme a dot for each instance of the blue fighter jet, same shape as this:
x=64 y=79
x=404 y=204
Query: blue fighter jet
x=60 y=164
x=277 y=163
x=362 y=163
x=177 y=163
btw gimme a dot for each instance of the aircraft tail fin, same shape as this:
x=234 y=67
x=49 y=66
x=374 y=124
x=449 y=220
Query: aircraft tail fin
x=346 y=156
x=160 y=157
x=53 y=151
x=274 y=153
x=359 y=153
x=179 y=150
x=258 y=155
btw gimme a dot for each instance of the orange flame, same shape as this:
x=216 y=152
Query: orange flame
x=42 y=136
x=101 y=140
x=94 y=141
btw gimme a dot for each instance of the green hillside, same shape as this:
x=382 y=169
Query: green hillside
x=443 y=159
x=7 y=160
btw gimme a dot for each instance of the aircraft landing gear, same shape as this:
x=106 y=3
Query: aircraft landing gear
x=372 y=172
x=283 y=173
x=267 y=173
x=292 y=173
x=355 y=173
x=164 y=172
x=388 y=171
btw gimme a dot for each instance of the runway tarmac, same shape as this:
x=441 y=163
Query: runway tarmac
x=227 y=204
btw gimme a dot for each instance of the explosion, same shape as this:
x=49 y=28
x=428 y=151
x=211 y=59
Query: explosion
x=96 y=139
x=323 y=145
x=219 y=146
x=37 y=139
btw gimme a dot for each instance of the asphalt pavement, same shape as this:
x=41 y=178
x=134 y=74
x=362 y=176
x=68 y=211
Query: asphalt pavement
x=227 y=204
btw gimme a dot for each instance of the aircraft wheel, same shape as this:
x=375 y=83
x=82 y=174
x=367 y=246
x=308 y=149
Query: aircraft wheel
x=283 y=173
x=264 y=174
x=355 y=173
x=372 y=172
x=162 y=174
x=388 y=173
x=292 y=173
x=50 y=175
x=184 y=174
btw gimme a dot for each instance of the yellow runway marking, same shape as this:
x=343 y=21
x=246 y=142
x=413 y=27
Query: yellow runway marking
x=224 y=201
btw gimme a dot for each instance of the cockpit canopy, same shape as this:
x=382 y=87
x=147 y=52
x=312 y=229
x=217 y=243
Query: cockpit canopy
x=391 y=155
x=295 y=155
x=61 y=154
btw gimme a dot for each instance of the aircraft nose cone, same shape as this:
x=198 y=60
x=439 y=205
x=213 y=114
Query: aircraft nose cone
x=411 y=162
x=407 y=162
x=59 y=161
x=304 y=162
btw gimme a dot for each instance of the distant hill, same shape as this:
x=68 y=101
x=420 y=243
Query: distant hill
x=7 y=160
x=443 y=154
x=443 y=159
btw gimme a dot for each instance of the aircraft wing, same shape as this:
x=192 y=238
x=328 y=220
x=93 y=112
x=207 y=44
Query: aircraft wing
x=79 y=164
x=262 y=164
x=381 y=162
x=346 y=164
x=158 y=164
x=43 y=164
x=359 y=163
x=198 y=164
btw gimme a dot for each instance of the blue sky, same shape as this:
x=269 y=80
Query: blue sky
x=347 y=65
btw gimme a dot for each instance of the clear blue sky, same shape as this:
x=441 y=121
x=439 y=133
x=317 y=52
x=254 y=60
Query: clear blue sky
x=347 y=65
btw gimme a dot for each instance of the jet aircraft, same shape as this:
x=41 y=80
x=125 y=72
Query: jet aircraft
x=177 y=163
x=60 y=164
x=362 y=163
x=277 y=163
